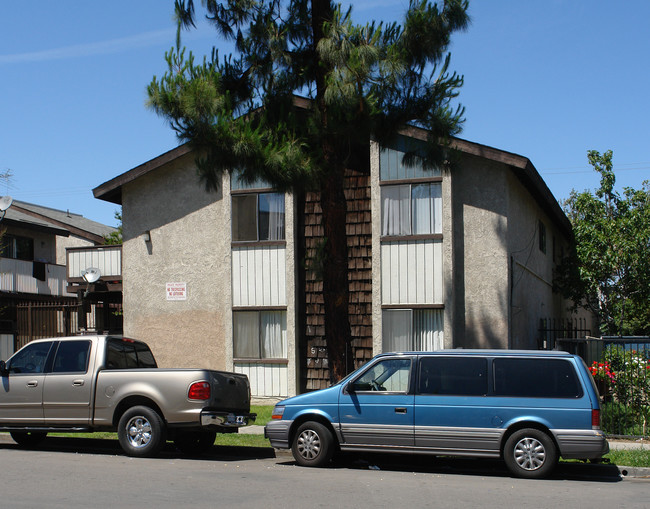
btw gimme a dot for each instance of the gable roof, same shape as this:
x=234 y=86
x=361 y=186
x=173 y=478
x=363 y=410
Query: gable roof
x=521 y=166
x=58 y=222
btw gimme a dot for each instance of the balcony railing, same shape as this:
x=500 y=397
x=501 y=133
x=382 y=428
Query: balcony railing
x=108 y=259
x=17 y=276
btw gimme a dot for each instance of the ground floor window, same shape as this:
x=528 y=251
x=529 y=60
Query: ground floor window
x=417 y=330
x=260 y=334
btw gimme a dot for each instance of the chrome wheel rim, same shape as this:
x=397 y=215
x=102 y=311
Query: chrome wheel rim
x=309 y=444
x=530 y=453
x=138 y=431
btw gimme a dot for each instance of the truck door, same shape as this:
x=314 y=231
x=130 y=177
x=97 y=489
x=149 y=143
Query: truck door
x=21 y=394
x=68 y=386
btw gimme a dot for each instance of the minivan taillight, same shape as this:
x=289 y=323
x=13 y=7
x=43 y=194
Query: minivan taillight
x=199 y=390
x=595 y=419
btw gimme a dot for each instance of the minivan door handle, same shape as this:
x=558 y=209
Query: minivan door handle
x=400 y=410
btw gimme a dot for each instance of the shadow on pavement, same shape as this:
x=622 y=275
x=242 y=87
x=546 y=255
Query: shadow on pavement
x=351 y=461
x=78 y=445
x=465 y=466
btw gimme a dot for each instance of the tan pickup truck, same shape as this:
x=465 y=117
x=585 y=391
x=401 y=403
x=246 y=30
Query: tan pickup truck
x=108 y=383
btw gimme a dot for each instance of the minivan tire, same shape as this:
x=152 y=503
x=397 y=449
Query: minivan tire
x=141 y=432
x=313 y=445
x=530 y=453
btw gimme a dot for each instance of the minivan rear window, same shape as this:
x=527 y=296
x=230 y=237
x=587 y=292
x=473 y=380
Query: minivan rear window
x=453 y=376
x=535 y=378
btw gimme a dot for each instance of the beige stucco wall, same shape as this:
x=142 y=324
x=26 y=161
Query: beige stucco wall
x=62 y=243
x=190 y=233
x=479 y=293
x=190 y=243
x=533 y=298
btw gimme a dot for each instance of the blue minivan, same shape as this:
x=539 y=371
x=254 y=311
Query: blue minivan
x=528 y=408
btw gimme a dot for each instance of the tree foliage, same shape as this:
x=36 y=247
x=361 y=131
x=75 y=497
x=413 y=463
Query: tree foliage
x=610 y=270
x=361 y=82
x=116 y=236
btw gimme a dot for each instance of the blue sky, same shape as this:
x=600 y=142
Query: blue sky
x=547 y=80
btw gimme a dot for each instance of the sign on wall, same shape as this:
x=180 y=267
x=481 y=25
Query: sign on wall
x=176 y=291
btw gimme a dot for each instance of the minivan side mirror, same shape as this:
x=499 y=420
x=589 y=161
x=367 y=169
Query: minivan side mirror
x=3 y=368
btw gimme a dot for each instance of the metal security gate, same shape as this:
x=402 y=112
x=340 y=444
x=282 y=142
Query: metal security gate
x=35 y=320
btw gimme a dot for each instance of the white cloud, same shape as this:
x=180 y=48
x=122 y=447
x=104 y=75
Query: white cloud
x=96 y=48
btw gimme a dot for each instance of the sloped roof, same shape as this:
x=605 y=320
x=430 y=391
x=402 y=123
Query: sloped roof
x=59 y=222
x=522 y=167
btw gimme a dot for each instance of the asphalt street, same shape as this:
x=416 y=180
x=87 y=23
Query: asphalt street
x=76 y=472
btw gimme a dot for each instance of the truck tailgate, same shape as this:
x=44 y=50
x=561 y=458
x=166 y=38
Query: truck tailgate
x=230 y=391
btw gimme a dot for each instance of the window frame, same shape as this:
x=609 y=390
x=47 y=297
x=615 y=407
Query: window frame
x=448 y=359
x=58 y=349
x=283 y=335
x=412 y=309
x=351 y=387
x=238 y=193
x=411 y=183
x=9 y=247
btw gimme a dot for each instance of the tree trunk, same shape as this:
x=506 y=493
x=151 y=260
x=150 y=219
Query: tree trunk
x=336 y=292
x=332 y=198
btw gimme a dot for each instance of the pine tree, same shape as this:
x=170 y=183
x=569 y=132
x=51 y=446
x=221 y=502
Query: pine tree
x=361 y=82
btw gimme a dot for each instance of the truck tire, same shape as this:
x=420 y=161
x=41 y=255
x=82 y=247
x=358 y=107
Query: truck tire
x=313 y=445
x=194 y=443
x=530 y=453
x=141 y=432
x=28 y=438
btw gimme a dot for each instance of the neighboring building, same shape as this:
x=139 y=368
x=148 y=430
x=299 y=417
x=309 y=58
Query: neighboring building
x=35 y=299
x=437 y=259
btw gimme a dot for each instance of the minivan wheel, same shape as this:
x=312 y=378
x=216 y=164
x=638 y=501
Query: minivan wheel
x=28 y=438
x=530 y=453
x=141 y=432
x=313 y=445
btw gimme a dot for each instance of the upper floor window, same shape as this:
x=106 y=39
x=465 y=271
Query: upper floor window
x=257 y=217
x=392 y=166
x=411 y=209
x=14 y=246
x=542 y=237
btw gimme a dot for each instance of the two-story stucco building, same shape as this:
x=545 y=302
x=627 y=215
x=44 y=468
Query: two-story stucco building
x=437 y=259
x=39 y=247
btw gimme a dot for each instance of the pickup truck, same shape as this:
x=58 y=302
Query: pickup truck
x=108 y=383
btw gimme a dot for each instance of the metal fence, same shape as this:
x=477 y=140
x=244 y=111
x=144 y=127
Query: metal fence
x=35 y=320
x=621 y=368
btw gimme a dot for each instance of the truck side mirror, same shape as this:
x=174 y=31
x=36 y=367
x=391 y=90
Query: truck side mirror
x=3 y=369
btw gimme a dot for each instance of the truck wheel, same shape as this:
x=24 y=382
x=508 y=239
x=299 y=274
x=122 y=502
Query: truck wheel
x=313 y=445
x=28 y=438
x=530 y=453
x=141 y=432
x=194 y=443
